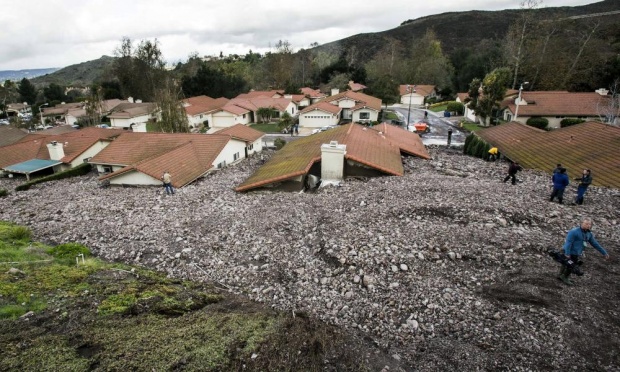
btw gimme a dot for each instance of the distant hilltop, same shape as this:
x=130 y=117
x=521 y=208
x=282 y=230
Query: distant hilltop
x=16 y=75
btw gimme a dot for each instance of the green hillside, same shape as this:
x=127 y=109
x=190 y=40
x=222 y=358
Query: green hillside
x=81 y=74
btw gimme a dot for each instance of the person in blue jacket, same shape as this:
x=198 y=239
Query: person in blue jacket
x=560 y=181
x=584 y=181
x=576 y=241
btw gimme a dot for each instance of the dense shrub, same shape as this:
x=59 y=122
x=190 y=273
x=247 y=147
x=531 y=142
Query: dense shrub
x=69 y=250
x=538 y=122
x=279 y=143
x=456 y=107
x=570 y=121
x=475 y=146
x=80 y=170
x=3 y=193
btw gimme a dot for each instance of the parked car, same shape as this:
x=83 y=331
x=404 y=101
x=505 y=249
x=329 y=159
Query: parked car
x=4 y=122
x=103 y=126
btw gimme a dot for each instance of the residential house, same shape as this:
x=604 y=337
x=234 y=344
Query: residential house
x=356 y=87
x=251 y=137
x=314 y=95
x=244 y=109
x=590 y=145
x=200 y=110
x=415 y=95
x=57 y=114
x=74 y=115
x=346 y=151
x=468 y=112
x=354 y=106
x=46 y=154
x=18 y=109
x=133 y=115
x=557 y=105
x=140 y=159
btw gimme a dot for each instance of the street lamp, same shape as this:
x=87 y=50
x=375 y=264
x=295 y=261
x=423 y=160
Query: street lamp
x=41 y=112
x=519 y=100
x=409 y=111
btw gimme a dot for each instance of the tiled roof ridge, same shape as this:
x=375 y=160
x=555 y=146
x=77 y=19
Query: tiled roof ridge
x=279 y=178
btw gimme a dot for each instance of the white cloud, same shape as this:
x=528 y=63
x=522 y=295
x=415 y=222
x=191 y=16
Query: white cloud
x=58 y=33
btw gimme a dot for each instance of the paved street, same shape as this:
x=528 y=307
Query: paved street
x=438 y=124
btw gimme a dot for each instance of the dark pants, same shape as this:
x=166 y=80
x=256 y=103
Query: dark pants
x=513 y=176
x=169 y=189
x=581 y=191
x=565 y=270
x=557 y=193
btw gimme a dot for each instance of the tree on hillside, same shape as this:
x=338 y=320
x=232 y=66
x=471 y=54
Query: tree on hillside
x=485 y=96
x=277 y=65
x=213 y=83
x=54 y=93
x=94 y=107
x=427 y=64
x=27 y=91
x=609 y=112
x=518 y=35
x=168 y=97
x=139 y=70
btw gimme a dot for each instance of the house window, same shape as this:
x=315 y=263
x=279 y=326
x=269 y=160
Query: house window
x=107 y=169
x=236 y=156
x=250 y=146
x=364 y=115
x=244 y=116
x=221 y=165
x=201 y=116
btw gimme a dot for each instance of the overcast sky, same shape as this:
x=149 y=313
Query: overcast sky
x=59 y=33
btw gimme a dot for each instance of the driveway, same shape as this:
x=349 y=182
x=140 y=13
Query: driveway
x=438 y=124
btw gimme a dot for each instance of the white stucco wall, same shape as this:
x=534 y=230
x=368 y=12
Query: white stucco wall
x=232 y=147
x=90 y=152
x=101 y=170
x=135 y=178
x=257 y=146
x=196 y=120
x=373 y=115
x=344 y=103
x=317 y=119
x=126 y=123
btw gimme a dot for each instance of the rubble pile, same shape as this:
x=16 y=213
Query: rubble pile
x=445 y=267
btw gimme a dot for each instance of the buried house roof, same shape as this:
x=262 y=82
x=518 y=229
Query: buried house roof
x=378 y=148
x=590 y=145
x=187 y=156
x=34 y=146
x=242 y=132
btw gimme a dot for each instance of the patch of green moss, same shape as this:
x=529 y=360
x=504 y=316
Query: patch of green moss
x=43 y=353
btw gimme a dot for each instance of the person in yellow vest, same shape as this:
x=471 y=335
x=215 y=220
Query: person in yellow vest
x=167 y=178
x=493 y=154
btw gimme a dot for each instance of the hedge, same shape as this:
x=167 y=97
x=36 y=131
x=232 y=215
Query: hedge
x=537 y=122
x=570 y=121
x=80 y=170
x=476 y=146
x=457 y=107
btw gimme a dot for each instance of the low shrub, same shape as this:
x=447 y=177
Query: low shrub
x=69 y=250
x=3 y=193
x=279 y=143
x=475 y=146
x=538 y=122
x=570 y=121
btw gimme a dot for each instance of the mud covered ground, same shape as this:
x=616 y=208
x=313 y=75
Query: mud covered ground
x=444 y=268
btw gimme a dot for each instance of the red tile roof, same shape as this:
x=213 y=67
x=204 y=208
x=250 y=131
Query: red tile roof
x=358 y=97
x=559 y=103
x=423 y=90
x=204 y=104
x=590 y=145
x=261 y=93
x=186 y=155
x=378 y=148
x=10 y=135
x=322 y=106
x=242 y=132
x=34 y=146
x=128 y=110
x=313 y=93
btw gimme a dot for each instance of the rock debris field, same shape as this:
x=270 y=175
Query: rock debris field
x=443 y=268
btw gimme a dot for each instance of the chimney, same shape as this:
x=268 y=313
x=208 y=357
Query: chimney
x=335 y=91
x=130 y=99
x=602 y=91
x=56 y=150
x=332 y=163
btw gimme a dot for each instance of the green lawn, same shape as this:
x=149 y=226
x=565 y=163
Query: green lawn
x=471 y=127
x=439 y=108
x=389 y=115
x=266 y=127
